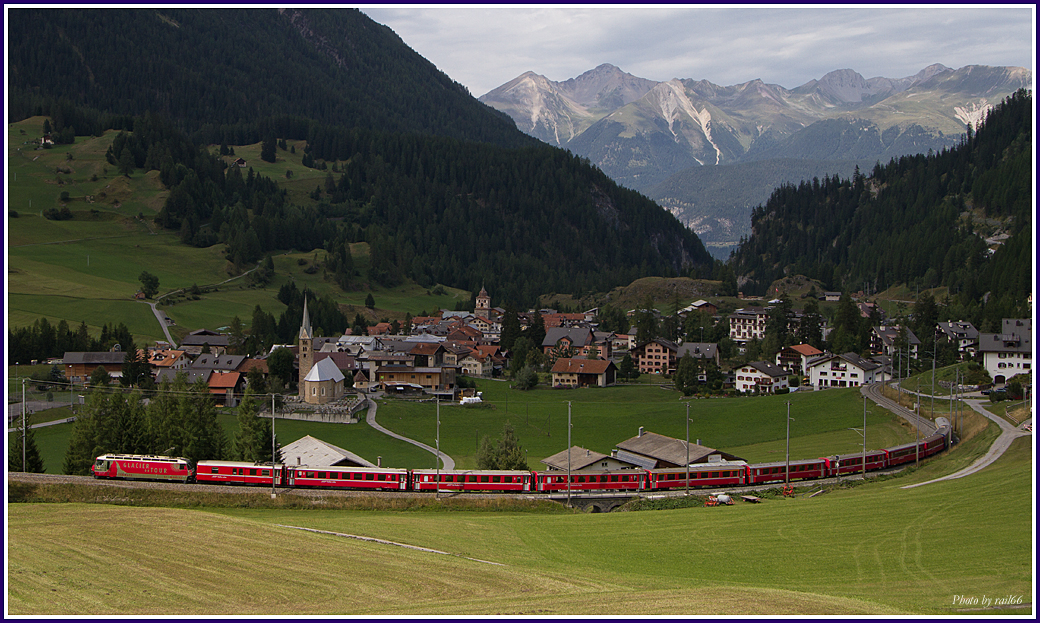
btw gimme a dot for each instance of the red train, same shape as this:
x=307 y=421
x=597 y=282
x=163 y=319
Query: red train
x=715 y=475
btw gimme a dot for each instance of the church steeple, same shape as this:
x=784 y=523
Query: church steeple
x=306 y=347
x=305 y=327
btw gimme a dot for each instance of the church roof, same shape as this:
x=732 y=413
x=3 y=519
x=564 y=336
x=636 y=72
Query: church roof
x=325 y=370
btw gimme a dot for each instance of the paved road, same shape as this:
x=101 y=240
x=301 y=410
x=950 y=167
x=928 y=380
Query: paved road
x=447 y=461
x=161 y=317
x=1008 y=433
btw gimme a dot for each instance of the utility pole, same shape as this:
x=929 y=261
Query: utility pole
x=787 y=473
x=568 y=454
x=687 y=448
x=23 y=425
x=437 y=493
x=274 y=451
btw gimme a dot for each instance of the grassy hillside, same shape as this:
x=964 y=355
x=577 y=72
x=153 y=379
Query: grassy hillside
x=827 y=554
x=86 y=269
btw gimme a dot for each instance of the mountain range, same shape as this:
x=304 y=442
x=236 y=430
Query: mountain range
x=658 y=137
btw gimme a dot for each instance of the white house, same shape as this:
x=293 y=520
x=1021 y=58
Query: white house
x=1009 y=352
x=848 y=370
x=761 y=377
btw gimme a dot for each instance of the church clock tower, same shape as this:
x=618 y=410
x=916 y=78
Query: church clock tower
x=306 y=348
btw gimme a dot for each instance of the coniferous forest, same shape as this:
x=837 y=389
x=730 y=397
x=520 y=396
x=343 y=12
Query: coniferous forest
x=919 y=220
x=442 y=188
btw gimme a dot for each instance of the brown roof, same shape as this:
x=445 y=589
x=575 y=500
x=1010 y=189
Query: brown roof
x=581 y=366
x=224 y=380
x=806 y=350
x=425 y=348
x=668 y=450
x=580 y=458
x=249 y=364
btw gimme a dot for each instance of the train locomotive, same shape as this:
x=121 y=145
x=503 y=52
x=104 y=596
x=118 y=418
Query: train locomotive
x=713 y=475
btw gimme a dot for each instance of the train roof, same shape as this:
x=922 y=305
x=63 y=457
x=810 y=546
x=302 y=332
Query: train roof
x=235 y=464
x=141 y=457
x=350 y=468
x=700 y=467
x=477 y=472
x=784 y=463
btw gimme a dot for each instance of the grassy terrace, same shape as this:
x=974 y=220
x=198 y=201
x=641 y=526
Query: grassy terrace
x=874 y=549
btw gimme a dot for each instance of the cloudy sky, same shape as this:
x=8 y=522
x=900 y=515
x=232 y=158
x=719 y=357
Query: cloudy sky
x=482 y=47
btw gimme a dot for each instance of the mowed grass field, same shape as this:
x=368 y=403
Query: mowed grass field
x=874 y=549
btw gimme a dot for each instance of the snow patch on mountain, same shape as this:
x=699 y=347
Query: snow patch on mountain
x=973 y=115
x=673 y=102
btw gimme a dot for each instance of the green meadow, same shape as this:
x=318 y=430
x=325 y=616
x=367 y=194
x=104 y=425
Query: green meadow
x=873 y=549
x=751 y=428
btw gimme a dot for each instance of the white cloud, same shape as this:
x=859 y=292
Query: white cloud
x=485 y=46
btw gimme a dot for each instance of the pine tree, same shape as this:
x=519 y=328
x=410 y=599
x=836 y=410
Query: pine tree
x=33 y=461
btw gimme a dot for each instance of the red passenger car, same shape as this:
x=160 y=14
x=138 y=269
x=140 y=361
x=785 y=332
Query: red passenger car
x=777 y=472
x=853 y=463
x=620 y=480
x=470 y=480
x=237 y=473
x=717 y=475
x=141 y=467
x=343 y=477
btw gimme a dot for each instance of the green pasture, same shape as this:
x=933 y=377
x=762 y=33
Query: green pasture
x=873 y=549
x=753 y=428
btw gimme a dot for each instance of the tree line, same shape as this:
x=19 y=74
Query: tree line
x=178 y=420
x=910 y=222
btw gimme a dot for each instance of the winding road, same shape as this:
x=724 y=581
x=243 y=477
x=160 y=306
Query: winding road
x=447 y=462
x=1008 y=431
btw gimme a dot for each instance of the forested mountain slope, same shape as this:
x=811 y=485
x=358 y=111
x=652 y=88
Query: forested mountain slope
x=921 y=220
x=443 y=188
x=221 y=74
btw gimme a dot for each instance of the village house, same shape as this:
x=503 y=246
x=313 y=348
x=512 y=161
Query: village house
x=848 y=370
x=652 y=451
x=1009 y=352
x=168 y=359
x=748 y=323
x=577 y=459
x=655 y=357
x=312 y=452
x=79 y=365
x=576 y=372
x=963 y=334
x=197 y=341
x=761 y=377
x=794 y=358
x=883 y=341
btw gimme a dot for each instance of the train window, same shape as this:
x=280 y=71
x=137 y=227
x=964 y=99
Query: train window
x=496 y=479
x=613 y=479
x=714 y=474
x=265 y=473
x=369 y=476
x=382 y=477
x=214 y=470
x=252 y=472
x=483 y=479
